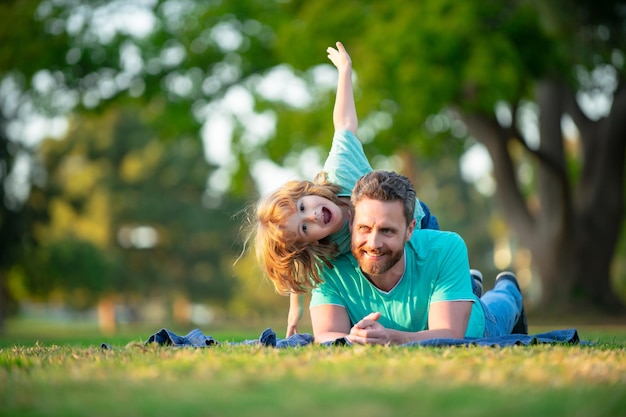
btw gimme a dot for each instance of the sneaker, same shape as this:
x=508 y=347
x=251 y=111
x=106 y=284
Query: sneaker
x=521 y=326
x=477 y=282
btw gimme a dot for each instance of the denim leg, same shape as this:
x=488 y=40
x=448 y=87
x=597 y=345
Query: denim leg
x=502 y=306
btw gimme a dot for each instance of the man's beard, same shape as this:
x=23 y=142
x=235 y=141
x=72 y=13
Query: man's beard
x=374 y=268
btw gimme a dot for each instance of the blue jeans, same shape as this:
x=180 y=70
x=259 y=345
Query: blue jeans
x=429 y=221
x=502 y=306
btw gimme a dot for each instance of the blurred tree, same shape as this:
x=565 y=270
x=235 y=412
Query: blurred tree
x=13 y=223
x=126 y=215
x=511 y=74
x=539 y=84
x=174 y=58
x=255 y=298
x=74 y=269
x=458 y=207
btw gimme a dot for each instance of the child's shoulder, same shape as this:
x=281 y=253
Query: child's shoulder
x=346 y=138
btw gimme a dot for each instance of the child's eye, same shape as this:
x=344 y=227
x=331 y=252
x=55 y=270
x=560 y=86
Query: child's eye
x=304 y=229
x=301 y=206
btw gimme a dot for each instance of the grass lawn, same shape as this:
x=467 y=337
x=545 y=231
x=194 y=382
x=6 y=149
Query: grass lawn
x=74 y=377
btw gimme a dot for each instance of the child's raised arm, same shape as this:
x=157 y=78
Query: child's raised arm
x=344 y=113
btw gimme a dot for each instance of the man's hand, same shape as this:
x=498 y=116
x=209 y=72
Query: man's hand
x=369 y=331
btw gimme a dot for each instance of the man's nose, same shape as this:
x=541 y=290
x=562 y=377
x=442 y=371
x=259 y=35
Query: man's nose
x=374 y=240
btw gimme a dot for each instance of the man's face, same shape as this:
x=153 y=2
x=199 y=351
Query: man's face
x=379 y=232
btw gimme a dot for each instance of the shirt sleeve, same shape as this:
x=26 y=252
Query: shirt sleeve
x=346 y=161
x=453 y=282
x=327 y=292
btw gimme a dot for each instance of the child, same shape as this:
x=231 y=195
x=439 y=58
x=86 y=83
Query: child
x=304 y=225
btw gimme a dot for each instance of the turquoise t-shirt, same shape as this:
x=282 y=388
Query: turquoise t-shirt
x=345 y=164
x=437 y=269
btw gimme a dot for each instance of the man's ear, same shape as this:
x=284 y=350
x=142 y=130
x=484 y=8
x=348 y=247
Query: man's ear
x=410 y=229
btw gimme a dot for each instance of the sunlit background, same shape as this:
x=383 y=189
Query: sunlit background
x=139 y=135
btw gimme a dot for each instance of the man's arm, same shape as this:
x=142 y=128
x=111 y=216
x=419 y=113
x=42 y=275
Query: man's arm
x=445 y=320
x=329 y=322
x=449 y=318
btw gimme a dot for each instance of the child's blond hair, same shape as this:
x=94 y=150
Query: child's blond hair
x=291 y=266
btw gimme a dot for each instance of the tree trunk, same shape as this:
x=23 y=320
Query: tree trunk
x=599 y=203
x=4 y=301
x=573 y=234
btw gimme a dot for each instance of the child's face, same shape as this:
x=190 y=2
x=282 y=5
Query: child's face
x=315 y=218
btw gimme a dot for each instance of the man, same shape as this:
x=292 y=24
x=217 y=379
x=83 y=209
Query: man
x=400 y=284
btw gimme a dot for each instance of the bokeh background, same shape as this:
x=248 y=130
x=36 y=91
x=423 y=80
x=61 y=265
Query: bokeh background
x=135 y=136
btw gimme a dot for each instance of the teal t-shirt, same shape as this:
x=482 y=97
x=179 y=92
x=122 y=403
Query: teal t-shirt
x=345 y=164
x=437 y=269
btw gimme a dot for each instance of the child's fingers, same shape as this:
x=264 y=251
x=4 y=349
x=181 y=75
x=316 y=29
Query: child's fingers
x=338 y=56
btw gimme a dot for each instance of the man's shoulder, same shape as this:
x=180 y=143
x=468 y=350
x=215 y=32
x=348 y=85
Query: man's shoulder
x=433 y=235
x=426 y=241
x=335 y=275
x=339 y=264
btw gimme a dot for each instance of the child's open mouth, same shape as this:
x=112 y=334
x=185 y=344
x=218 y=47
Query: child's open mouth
x=327 y=216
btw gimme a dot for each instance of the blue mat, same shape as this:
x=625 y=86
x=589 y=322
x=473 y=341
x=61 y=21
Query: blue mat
x=196 y=338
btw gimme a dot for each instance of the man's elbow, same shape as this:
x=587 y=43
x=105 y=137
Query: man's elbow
x=327 y=337
x=322 y=338
x=458 y=333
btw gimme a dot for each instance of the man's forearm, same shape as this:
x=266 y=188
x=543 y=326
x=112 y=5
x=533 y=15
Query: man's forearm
x=383 y=336
x=398 y=337
x=329 y=337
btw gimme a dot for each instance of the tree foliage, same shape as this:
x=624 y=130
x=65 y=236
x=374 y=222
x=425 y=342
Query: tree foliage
x=125 y=214
x=433 y=78
x=509 y=75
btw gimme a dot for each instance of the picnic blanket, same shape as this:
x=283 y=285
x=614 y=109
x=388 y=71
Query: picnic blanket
x=196 y=338
x=554 y=336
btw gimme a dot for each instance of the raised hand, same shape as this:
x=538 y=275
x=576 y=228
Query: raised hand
x=339 y=57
